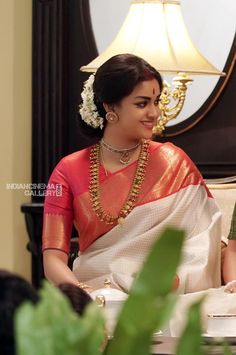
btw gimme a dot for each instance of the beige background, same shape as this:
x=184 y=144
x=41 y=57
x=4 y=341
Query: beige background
x=15 y=130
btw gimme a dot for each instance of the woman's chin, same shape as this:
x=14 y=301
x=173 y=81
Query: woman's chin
x=148 y=134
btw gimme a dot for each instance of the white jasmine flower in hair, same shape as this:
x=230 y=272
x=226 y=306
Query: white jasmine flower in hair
x=88 y=109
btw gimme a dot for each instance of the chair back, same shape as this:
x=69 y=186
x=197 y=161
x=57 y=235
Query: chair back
x=225 y=196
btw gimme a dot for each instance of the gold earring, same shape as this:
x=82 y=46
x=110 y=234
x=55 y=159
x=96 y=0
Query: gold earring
x=111 y=117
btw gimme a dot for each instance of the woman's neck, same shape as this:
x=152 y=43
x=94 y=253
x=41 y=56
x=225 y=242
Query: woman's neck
x=113 y=159
x=119 y=141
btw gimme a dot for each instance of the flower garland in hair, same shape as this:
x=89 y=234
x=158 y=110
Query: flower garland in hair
x=88 y=109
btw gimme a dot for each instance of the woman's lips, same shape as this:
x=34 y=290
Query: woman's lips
x=148 y=124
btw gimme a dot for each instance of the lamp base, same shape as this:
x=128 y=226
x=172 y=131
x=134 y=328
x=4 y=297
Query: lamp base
x=172 y=101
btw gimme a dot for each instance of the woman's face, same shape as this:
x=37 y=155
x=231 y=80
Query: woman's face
x=139 y=111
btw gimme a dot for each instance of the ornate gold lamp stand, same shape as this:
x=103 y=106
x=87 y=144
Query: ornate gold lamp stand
x=172 y=101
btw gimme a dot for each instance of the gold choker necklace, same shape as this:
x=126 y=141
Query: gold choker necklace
x=133 y=193
x=124 y=153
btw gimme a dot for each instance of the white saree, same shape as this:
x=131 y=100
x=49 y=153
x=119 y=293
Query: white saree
x=173 y=194
x=119 y=254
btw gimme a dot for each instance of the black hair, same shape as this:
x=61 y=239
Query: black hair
x=116 y=79
x=14 y=290
x=77 y=297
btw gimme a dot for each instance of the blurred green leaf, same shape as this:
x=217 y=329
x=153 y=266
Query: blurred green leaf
x=227 y=350
x=52 y=327
x=191 y=339
x=150 y=302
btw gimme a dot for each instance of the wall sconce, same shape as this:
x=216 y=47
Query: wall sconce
x=155 y=31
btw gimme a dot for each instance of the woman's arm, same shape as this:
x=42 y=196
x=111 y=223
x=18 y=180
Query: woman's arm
x=56 y=269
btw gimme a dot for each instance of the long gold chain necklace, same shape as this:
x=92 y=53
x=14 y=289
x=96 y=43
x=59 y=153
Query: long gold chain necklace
x=133 y=193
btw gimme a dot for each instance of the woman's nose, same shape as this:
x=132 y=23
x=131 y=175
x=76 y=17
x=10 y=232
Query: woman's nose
x=154 y=111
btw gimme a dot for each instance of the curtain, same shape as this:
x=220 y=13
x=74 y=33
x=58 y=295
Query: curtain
x=63 y=41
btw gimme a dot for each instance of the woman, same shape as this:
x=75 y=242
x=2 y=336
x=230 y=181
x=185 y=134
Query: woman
x=229 y=266
x=124 y=190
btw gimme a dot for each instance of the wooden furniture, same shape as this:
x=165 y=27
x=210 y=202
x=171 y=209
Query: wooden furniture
x=167 y=345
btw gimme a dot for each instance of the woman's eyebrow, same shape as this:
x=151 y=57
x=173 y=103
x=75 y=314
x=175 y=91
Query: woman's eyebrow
x=146 y=97
x=143 y=97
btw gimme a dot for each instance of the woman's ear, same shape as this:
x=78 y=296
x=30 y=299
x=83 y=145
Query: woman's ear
x=107 y=107
x=111 y=115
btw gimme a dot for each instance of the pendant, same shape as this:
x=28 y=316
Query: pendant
x=125 y=158
x=121 y=220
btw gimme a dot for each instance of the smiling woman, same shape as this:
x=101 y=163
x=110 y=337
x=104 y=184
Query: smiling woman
x=122 y=191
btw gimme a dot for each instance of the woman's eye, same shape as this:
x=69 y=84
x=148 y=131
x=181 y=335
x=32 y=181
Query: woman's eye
x=156 y=103
x=141 y=104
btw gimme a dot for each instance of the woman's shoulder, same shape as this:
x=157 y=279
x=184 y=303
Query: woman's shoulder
x=74 y=165
x=73 y=169
x=76 y=159
x=167 y=148
x=171 y=154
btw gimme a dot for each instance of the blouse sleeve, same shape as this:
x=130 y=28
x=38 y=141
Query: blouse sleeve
x=58 y=211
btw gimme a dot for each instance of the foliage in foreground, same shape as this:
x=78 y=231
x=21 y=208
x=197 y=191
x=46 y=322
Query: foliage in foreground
x=52 y=327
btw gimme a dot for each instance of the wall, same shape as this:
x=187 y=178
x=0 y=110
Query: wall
x=15 y=132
